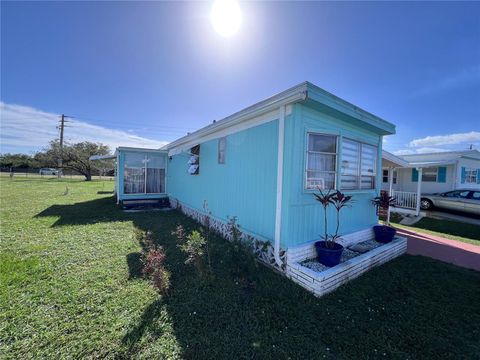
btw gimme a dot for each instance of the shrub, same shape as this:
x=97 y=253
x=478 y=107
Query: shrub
x=234 y=232
x=155 y=269
x=196 y=247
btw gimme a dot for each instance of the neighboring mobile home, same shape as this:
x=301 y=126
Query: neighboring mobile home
x=263 y=164
x=408 y=176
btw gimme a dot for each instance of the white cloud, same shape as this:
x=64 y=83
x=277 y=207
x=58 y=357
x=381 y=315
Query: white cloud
x=452 y=139
x=26 y=129
x=404 y=152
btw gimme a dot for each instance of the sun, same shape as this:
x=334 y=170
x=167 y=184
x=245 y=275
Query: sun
x=226 y=17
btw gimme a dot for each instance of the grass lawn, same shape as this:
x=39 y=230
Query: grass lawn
x=448 y=229
x=70 y=287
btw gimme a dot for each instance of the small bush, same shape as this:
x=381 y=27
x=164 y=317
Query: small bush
x=234 y=232
x=196 y=248
x=155 y=269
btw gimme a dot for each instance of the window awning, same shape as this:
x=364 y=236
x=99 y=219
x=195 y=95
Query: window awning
x=101 y=157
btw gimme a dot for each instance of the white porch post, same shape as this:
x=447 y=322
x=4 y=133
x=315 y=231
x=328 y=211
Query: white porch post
x=419 y=190
x=390 y=189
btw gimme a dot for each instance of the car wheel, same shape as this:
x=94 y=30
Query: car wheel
x=426 y=204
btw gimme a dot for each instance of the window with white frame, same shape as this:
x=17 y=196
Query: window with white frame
x=321 y=161
x=359 y=165
x=222 y=146
x=470 y=176
x=144 y=173
x=385 y=173
x=429 y=174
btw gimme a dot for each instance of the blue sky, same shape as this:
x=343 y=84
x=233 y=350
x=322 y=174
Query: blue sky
x=134 y=73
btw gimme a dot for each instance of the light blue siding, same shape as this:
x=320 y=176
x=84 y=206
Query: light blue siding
x=245 y=186
x=302 y=216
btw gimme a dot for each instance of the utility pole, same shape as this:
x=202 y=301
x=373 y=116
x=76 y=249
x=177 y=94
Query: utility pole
x=60 y=159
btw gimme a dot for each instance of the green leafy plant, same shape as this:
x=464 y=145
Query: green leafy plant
x=338 y=200
x=196 y=247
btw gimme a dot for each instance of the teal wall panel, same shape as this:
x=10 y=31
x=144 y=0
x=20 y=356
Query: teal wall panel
x=302 y=216
x=245 y=186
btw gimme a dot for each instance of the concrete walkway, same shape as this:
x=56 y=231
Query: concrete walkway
x=451 y=251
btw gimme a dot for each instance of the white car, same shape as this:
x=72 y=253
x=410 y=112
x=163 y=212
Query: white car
x=459 y=200
x=48 y=171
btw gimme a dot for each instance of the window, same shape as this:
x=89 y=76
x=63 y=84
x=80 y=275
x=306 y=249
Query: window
x=470 y=176
x=476 y=195
x=321 y=161
x=429 y=174
x=457 y=194
x=134 y=173
x=144 y=173
x=194 y=161
x=359 y=165
x=222 y=146
x=385 y=176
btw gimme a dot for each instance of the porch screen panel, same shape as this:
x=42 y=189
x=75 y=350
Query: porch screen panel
x=350 y=164
x=155 y=174
x=134 y=173
x=321 y=161
x=368 y=171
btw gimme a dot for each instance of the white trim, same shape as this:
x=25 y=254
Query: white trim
x=394 y=159
x=278 y=207
x=254 y=112
x=135 y=149
x=247 y=124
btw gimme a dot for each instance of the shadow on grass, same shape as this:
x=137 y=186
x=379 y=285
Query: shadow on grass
x=213 y=318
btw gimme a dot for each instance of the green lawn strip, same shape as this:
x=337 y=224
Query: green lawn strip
x=71 y=288
x=454 y=230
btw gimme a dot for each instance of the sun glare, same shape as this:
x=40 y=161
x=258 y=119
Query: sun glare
x=226 y=17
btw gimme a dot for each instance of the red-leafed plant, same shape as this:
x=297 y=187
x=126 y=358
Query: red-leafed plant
x=155 y=269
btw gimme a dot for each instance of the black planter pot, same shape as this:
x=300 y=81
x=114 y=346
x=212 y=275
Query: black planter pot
x=328 y=256
x=384 y=234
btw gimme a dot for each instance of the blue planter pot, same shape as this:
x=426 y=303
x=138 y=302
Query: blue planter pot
x=384 y=234
x=328 y=256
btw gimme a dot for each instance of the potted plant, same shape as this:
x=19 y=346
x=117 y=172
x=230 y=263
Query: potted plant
x=384 y=233
x=329 y=252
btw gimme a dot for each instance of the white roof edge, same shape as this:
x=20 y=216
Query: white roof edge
x=394 y=159
x=296 y=93
x=459 y=152
x=431 y=163
x=101 y=157
x=127 y=148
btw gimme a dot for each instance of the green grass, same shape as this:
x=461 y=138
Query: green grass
x=70 y=287
x=454 y=230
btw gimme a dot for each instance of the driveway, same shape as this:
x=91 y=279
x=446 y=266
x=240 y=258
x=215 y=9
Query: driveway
x=455 y=216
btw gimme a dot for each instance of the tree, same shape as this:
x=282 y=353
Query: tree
x=76 y=157
x=17 y=161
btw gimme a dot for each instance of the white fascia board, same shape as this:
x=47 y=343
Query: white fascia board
x=394 y=159
x=431 y=163
x=134 y=149
x=228 y=130
x=295 y=94
x=324 y=97
x=101 y=157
